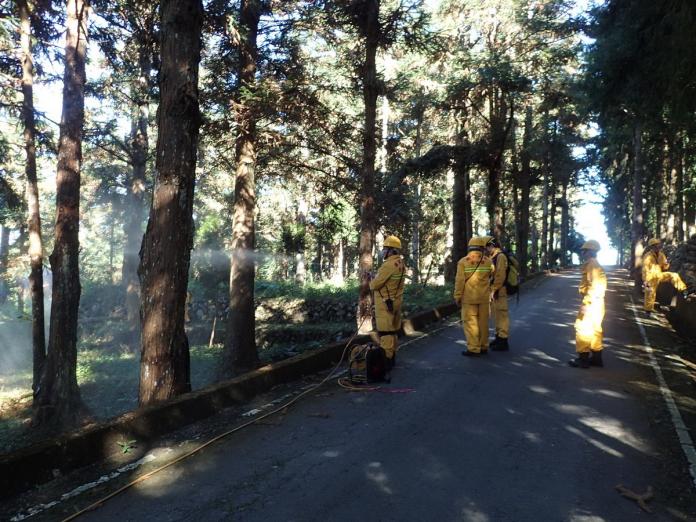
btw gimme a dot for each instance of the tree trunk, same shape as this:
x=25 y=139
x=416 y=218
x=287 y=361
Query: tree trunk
x=512 y=232
x=637 y=218
x=57 y=399
x=4 y=259
x=319 y=273
x=546 y=175
x=300 y=265
x=662 y=194
x=524 y=183
x=535 y=249
x=166 y=250
x=135 y=196
x=112 y=245
x=415 y=232
x=515 y=209
x=545 y=220
x=384 y=153
x=23 y=247
x=680 y=221
x=368 y=224
x=240 y=353
x=671 y=218
x=550 y=255
x=38 y=336
x=339 y=263
x=461 y=211
x=565 y=224
x=499 y=135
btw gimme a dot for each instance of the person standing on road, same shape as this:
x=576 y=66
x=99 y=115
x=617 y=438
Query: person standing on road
x=472 y=291
x=588 y=325
x=388 y=291
x=501 y=315
x=654 y=272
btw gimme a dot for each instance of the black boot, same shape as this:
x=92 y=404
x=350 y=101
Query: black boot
x=501 y=345
x=388 y=366
x=495 y=341
x=467 y=353
x=582 y=361
x=596 y=359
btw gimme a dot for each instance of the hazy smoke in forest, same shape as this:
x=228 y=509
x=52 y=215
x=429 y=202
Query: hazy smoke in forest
x=15 y=334
x=15 y=344
x=257 y=256
x=220 y=258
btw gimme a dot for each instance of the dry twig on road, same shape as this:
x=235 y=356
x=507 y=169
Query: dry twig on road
x=640 y=499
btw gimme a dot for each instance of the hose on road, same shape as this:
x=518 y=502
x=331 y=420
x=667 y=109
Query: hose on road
x=283 y=407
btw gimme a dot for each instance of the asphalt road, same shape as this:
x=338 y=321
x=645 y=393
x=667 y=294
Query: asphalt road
x=515 y=436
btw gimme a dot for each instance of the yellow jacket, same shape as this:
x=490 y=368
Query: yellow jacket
x=473 y=282
x=654 y=263
x=389 y=282
x=501 y=264
x=593 y=284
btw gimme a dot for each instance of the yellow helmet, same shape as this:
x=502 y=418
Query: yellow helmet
x=478 y=242
x=392 y=242
x=653 y=242
x=486 y=239
x=590 y=245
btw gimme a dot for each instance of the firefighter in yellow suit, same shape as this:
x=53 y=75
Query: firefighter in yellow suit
x=588 y=325
x=654 y=272
x=501 y=315
x=472 y=291
x=388 y=291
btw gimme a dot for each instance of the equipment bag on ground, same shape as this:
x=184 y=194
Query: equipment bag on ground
x=367 y=364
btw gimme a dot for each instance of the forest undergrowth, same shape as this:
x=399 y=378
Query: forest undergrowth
x=288 y=319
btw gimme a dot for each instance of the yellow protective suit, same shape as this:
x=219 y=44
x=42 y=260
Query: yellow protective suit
x=588 y=325
x=472 y=290
x=501 y=314
x=654 y=272
x=389 y=284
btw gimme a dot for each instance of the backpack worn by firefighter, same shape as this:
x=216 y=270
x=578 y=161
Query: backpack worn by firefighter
x=512 y=277
x=512 y=280
x=367 y=364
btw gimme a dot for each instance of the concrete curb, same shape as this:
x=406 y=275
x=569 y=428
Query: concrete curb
x=40 y=463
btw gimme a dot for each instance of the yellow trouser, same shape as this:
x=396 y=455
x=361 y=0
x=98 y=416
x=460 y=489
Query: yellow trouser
x=475 y=322
x=652 y=284
x=501 y=317
x=388 y=322
x=588 y=328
